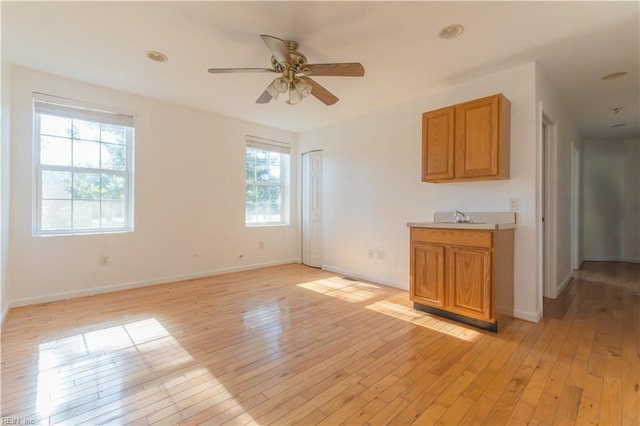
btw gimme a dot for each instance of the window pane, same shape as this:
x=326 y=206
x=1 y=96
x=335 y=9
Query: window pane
x=113 y=187
x=262 y=172
x=86 y=154
x=86 y=214
x=113 y=214
x=263 y=212
x=55 y=151
x=263 y=194
x=252 y=193
x=251 y=212
x=86 y=130
x=251 y=164
x=274 y=172
x=56 y=214
x=274 y=199
x=86 y=186
x=113 y=134
x=55 y=126
x=56 y=184
x=113 y=156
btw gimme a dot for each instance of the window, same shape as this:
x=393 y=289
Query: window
x=83 y=166
x=267 y=171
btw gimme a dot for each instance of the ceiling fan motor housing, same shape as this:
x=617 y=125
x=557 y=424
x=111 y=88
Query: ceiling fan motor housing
x=297 y=58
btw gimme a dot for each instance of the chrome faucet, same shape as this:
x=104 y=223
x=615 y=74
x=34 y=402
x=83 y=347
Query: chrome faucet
x=459 y=217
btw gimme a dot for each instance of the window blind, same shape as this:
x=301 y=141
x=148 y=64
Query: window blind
x=53 y=105
x=268 y=144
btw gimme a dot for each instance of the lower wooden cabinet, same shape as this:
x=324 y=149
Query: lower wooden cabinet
x=470 y=282
x=429 y=274
x=463 y=274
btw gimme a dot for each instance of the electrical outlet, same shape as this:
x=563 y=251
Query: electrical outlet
x=513 y=204
x=381 y=255
x=371 y=253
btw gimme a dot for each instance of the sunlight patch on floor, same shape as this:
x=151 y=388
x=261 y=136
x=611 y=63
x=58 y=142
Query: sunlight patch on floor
x=78 y=365
x=349 y=291
x=406 y=313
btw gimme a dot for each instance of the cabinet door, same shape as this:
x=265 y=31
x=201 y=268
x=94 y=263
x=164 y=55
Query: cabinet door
x=427 y=274
x=438 y=133
x=469 y=282
x=477 y=131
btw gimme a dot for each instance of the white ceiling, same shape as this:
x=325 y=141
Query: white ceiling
x=575 y=43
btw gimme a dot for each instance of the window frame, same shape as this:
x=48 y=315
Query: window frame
x=284 y=149
x=87 y=112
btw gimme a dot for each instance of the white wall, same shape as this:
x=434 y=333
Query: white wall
x=189 y=201
x=372 y=184
x=5 y=73
x=611 y=200
x=564 y=133
x=632 y=201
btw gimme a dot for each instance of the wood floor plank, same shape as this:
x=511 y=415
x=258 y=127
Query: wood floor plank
x=296 y=345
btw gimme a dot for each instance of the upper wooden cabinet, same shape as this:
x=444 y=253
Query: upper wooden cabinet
x=468 y=141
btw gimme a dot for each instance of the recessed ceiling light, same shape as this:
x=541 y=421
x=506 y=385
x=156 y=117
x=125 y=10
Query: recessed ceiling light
x=157 y=56
x=614 y=75
x=618 y=125
x=451 y=31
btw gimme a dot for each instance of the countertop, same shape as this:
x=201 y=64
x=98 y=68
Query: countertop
x=481 y=220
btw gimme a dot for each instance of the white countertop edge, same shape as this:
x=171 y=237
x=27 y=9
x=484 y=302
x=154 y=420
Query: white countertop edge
x=445 y=225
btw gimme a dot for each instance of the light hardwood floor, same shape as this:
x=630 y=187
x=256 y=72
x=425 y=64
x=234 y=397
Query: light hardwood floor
x=296 y=345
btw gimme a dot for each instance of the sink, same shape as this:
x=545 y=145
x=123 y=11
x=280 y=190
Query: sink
x=462 y=223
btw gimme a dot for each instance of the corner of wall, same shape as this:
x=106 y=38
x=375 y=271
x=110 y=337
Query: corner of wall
x=5 y=101
x=528 y=315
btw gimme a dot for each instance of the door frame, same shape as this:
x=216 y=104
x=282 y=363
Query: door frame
x=546 y=206
x=576 y=205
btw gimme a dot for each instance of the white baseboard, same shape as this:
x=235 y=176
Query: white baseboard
x=564 y=284
x=144 y=283
x=527 y=315
x=3 y=315
x=365 y=277
x=612 y=259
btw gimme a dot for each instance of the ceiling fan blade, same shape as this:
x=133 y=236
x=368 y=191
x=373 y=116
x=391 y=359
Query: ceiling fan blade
x=320 y=92
x=346 y=69
x=278 y=49
x=265 y=98
x=232 y=70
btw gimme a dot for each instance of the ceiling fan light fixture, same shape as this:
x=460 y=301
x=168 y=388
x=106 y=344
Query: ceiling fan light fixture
x=303 y=88
x=280 y=84
x=294 y=96
x=277 y=86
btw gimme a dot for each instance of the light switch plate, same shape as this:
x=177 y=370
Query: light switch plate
x=513 y=204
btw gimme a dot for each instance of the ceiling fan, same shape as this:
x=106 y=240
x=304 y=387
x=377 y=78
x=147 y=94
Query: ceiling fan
x=295 y=71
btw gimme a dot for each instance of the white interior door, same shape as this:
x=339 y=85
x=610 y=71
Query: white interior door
x=312 y=208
